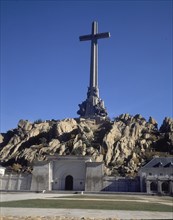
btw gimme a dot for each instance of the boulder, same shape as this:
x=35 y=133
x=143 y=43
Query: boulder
x=66 y=126
x=24 y=125
x=152 y=121
x=123 y=144
x=1 y=138
x=167 y=125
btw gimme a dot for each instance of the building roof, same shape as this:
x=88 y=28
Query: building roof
x=69 y=157
x=57 y=157
x=159 y=162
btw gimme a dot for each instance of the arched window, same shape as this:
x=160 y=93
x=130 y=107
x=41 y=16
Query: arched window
x=153 y=186
x=165 y=187
x=69 y=183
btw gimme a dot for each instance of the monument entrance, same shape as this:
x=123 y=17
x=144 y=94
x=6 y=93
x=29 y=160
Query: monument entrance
x=69 y=182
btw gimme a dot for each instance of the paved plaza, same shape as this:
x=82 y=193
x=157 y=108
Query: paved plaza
x=71 y=213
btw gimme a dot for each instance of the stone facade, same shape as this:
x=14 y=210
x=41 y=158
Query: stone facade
x=67 y=173
x=94 y=176
x=78 y=173
x=41 y=177
x=157 y=176
x=15 y=182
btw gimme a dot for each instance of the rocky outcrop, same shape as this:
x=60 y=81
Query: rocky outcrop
x=124 y=144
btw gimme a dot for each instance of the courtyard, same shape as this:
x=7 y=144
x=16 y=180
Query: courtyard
x=40 y=206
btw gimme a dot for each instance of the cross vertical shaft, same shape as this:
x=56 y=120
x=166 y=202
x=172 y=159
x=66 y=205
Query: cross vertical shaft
x=94 y=57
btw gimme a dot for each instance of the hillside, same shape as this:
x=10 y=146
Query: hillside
x=124 y=145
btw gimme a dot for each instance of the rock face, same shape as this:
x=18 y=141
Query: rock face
x=124 y=145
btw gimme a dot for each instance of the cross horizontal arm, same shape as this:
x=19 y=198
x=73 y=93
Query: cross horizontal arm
x=85 y=37
x=102 y=35
x=95 y=36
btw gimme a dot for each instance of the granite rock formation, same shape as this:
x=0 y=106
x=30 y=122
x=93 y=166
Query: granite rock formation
x=124 y=144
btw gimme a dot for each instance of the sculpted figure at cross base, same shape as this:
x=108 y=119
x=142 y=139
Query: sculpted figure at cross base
x=93 y=106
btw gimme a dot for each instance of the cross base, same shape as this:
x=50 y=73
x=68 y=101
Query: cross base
x=93 y=106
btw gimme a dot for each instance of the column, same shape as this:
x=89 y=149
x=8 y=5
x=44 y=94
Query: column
x=171 y=187
x=159 y=187
x=18 y=182
x=50 y=176
x=148 y=186
x=9 y=182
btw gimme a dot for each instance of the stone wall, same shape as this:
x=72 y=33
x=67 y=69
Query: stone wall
x=93 y=183
x=121 y=184
x=94 y=176
x=15 y=182
x=40 y=178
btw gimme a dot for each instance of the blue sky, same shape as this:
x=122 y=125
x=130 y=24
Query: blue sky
x=45 y=68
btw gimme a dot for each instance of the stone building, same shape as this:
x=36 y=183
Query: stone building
x=157 y=176
x=81 y=173
x=71 y=173
x=67 y=173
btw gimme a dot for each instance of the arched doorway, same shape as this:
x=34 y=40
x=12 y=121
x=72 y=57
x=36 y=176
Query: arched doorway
x=69 y=183
x=165 y=187
x=153 y=186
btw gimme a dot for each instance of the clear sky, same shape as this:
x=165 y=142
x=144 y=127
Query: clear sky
x=45 y=68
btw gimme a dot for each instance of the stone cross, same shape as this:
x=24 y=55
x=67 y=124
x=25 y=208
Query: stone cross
x=93 y=106
x=94 y=36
